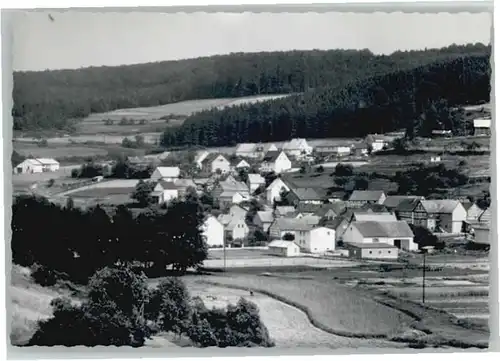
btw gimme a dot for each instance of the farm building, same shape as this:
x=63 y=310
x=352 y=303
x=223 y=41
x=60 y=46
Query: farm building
x=297 y=147
x=450 y=214
x=359 y=149
x=361 y=216
x=323 y=210
x=164 y=192
x=247 y=150
x=372 y=251
x=360 y=198
x=413 y=212
x=284 y=248
x=37 y=165
x=275 y=161
x=274 y=190
x=333 y=149
x=339 y=224
x=213 y=231
x=227 y=198
x=482 y=234
x=473 y=211
x=298 y=196
x=482 y=127
x=396 y=233
x=435 y=159
x=263 y=219
x=485 y=217
x=166 y=173
x=255 y=181
x=378 y=142
x=282 y=226
x=391 y=202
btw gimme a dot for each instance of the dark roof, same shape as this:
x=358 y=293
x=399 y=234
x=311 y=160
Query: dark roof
x=210 y=158
x=377 y=208
x=167 y=184
x=370 y=245
x=332 y=223
x=392 y=229
x=394 y=201
x=407 y=205
x=271 y=156
x=322 y=209
x=306 y=194
x=366 y=195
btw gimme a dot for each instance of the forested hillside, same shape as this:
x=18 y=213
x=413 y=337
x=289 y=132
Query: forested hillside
x=54 y=99
x=418 y=99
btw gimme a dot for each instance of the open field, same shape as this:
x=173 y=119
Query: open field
x=333 y=306
x=288 y=326
x=30 y=149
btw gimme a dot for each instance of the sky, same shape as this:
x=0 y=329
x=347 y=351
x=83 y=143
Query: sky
x=81 y=39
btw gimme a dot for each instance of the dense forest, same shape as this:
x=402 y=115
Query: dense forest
x=56 y=99
x=419 y=99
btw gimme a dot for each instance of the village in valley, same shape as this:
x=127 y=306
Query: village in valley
x=331 y=199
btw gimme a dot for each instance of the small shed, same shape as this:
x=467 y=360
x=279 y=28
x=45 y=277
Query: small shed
x=284 y=248
x=372 y=251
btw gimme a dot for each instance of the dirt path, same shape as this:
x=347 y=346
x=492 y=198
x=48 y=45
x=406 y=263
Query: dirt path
x=288 y=326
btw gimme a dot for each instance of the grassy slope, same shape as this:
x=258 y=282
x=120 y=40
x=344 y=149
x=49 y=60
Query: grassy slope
x=30 y=302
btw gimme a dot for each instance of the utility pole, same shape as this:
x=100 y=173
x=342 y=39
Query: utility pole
x=425 y=250
x=224 y=253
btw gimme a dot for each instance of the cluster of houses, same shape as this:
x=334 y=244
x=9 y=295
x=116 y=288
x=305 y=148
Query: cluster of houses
x=370 y=224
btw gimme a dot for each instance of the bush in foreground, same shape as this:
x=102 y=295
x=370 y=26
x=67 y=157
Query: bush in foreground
x=112 y=315
x=238 y=325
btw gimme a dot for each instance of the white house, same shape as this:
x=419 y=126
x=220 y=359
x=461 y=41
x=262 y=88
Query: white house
x=482 y=126
x=215 y=163
x=248 y=150
x=377 y=142
x=166 y=173
x=294 y=226
x=396 y=233
x=164 y=192
x=275 y=161
x=274 y=189
x=283 y=248
x=238 y=211
x=373 y=216
x=450 y=214
x=242 y=164
x=213 y=231
x=236 y=228
x=37 y=165
x=200 y=157
x=255 y=181
x=319 y=240
x=226 y=192
x=473 y=212
x=263 y=219
x=297 y=147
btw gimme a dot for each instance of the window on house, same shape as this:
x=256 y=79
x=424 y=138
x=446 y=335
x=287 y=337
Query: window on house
x=389 y=252
x=370 y=252
x=379 y=252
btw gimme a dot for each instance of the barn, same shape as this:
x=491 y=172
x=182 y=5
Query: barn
x=372 y=251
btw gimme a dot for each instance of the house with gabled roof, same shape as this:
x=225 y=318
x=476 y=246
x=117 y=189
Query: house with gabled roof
x=275 y=161
x=230 y=191
x=273 y=191
x=164 y=192
x=37 y=165
x=298 y=196
x=285 y=211
x=235 y=227
x=297 y=147
x=254 y=181
x=378 y=142
x=213 y=232
x=263 y=219
x=395 y=233
x=240 y=164
x=485 y=217
x=323 y=210
x=360 y=198
x=247 y=150
x=165 y=173
x=215 y=163
x=391 y=202
x=413 y=212
x=450 y=214
x=473 y=211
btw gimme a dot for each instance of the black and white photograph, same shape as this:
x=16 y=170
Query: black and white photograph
x=250 y=180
